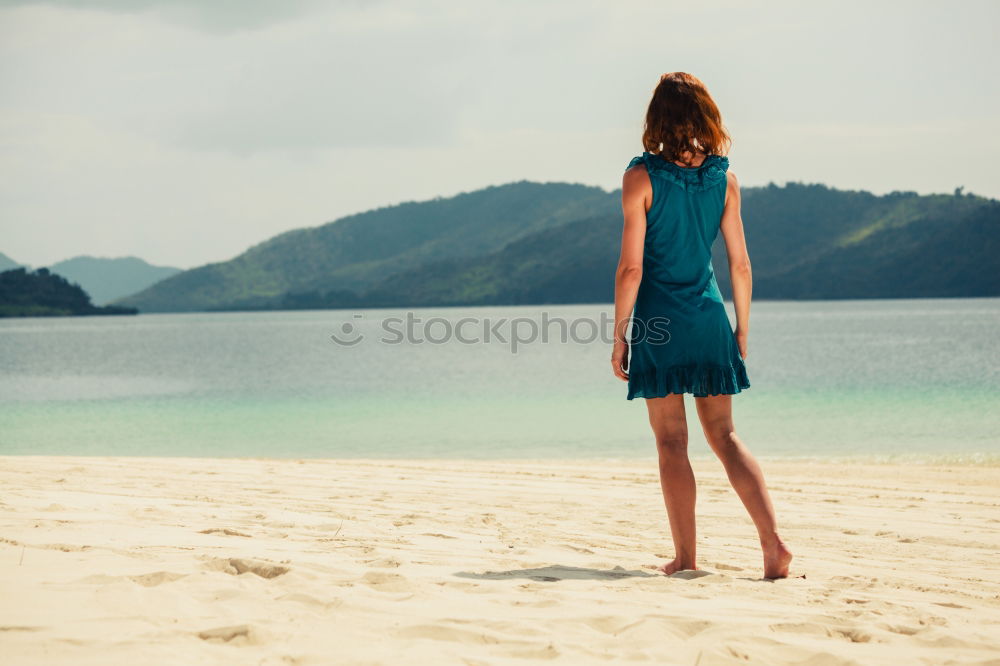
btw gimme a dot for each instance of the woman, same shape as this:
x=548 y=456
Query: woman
x=676 y=197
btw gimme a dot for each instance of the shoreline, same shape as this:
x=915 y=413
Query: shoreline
x=981 y=459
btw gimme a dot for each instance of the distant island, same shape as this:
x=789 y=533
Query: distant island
x=42 y=293
x=548 y=243
x=103 y=278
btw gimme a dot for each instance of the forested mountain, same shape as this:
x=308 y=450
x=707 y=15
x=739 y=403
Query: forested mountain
x=43 y=294
x=815 y=242
x=356 y=252
x=570 y=263
x=539 y=243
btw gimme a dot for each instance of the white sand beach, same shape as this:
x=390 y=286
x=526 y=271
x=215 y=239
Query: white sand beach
x=260 y=561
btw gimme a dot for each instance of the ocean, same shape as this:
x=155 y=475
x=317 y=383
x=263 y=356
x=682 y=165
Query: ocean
x=892 y=380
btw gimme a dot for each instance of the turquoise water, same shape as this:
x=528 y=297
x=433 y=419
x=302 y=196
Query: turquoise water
x=910 y=379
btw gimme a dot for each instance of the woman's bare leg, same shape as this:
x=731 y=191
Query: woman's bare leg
x=715 y=413
x=667 y=417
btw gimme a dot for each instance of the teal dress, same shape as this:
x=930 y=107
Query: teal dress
x=681 y=339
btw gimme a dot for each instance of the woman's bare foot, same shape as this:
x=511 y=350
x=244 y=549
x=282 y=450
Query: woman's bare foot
x=777 y=557
x=673 y=566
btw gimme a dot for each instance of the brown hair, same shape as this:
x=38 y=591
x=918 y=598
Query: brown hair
x=682 y=117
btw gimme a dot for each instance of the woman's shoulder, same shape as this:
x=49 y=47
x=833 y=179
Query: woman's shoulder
x=638 y=160
x=709 y=173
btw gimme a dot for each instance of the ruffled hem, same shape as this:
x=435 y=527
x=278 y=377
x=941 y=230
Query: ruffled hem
x=700 y=380
x=709 y=173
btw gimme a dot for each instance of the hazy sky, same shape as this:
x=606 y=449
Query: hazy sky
x=185 y=131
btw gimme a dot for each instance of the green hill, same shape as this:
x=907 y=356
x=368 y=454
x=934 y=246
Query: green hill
x=356 y=252
x=44 y=294
x=855 y=245
x=533 y=243
x=571 y=263
x=941 y=247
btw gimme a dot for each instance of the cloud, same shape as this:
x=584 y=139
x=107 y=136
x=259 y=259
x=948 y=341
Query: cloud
x=327 y=85
x=382 y=78
x=210 y=15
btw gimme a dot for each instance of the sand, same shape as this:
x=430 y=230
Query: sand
x=254 y=561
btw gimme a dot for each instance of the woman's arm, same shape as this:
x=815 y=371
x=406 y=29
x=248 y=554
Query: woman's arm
x=636 y=191
x=739 y=261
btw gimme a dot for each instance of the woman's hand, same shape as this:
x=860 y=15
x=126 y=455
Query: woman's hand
x=741 y=340
x=619 y=360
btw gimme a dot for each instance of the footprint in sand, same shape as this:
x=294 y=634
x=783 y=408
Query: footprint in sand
x=223 y=530
x=901 y=629
x=309 y=600
x=11 y=627
x=146 y=580
x=948 y=604
x=386 y=581
x=236 y=566
x=240 y=634
x=446 y=631
x=64 y=547
x=156 y=578
x=692 y=574
x=408 y=519
x=727 y=567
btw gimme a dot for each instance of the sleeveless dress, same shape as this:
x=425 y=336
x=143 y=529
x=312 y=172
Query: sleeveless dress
x=681 y=340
